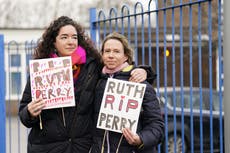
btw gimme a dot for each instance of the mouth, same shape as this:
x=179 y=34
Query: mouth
x=70 y=49
x=110 y=62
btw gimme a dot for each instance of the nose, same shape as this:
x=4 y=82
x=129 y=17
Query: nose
x=71 y=41
x=111 y=54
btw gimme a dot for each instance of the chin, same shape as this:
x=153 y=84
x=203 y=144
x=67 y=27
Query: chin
x=111 y=68
x=69 y=54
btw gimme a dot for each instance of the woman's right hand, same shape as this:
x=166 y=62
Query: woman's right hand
x=132 y=138
x=35 y=107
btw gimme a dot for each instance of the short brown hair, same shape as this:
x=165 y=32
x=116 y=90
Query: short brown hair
x=127 y=48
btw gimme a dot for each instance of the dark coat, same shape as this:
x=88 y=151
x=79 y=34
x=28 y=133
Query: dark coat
x=76 y=136
x=150 y=125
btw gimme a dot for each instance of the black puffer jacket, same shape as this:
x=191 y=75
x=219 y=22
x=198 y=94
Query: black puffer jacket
x=54 y=137
x=150 y=126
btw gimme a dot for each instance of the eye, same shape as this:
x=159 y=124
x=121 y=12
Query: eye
x=116 y=51
x=63 y=37
x=107 y=51
x=75 y=37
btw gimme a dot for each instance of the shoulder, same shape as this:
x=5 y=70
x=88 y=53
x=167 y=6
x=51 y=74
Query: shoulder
x=93 y=64
x=125 y=73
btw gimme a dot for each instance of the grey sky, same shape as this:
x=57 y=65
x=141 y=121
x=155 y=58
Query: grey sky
x=39 y=13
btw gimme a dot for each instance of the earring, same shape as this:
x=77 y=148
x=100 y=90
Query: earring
x=55 y=51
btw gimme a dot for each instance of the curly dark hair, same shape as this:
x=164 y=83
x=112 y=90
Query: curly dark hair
x=46 y=44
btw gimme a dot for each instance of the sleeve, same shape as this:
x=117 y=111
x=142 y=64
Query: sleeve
x=151 y=120
x=151 y=75
x=24 y=115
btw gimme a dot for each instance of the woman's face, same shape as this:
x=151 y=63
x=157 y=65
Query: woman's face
x=113 y=54
x=66 y=41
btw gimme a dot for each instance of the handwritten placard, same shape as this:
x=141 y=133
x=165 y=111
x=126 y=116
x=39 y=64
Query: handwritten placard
x=52 y=80
x=121 y=105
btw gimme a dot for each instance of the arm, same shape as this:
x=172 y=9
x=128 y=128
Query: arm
x=152 y=122
x=28 y=110
x=151 y=75
x=142 y=73
x=153 y=125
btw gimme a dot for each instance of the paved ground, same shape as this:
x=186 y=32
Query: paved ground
x=16 y=136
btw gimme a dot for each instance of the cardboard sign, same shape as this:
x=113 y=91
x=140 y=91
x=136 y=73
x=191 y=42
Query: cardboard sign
x=121 y=105
x=52 y=80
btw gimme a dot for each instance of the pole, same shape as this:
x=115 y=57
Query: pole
x=2 y=98
x=226 y=55
x=93 y=25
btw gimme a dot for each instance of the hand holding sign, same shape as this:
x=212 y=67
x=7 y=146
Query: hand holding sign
x=132 y=139
x=35 y=107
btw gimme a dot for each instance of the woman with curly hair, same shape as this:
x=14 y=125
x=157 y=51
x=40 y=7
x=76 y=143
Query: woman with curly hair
x=65 y=37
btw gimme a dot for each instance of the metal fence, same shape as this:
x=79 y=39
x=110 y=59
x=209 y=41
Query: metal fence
x=181 y=40
x=15 y=58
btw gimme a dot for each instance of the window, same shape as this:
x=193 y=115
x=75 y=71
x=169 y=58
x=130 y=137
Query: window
x=15 y=85
x=15 y=60
x=16 y=65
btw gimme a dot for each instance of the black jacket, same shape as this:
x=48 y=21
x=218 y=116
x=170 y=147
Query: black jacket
x=76 y=137
x=150 y=126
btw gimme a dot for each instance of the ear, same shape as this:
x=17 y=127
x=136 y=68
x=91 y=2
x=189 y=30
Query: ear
x=126 y=58
x=55 y=44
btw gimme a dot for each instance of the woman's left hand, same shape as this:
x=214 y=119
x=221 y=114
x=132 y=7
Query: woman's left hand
x=138 y=75
x=132 y=139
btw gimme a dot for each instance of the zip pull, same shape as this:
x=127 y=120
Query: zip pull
x=103 y=142
x=40 y=121
x=63 y=116
x=119 y=143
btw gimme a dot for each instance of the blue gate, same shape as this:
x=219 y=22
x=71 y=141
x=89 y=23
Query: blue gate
x=182 y=41
x=15 y=58
x=2 y=101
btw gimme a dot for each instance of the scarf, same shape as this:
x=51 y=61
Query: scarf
x=78 y=57
x=105 y=70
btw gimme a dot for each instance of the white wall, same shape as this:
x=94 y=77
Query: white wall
x=21 y=35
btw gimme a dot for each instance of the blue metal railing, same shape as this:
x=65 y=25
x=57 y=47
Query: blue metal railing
x=2 y=97
x=191 y=31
